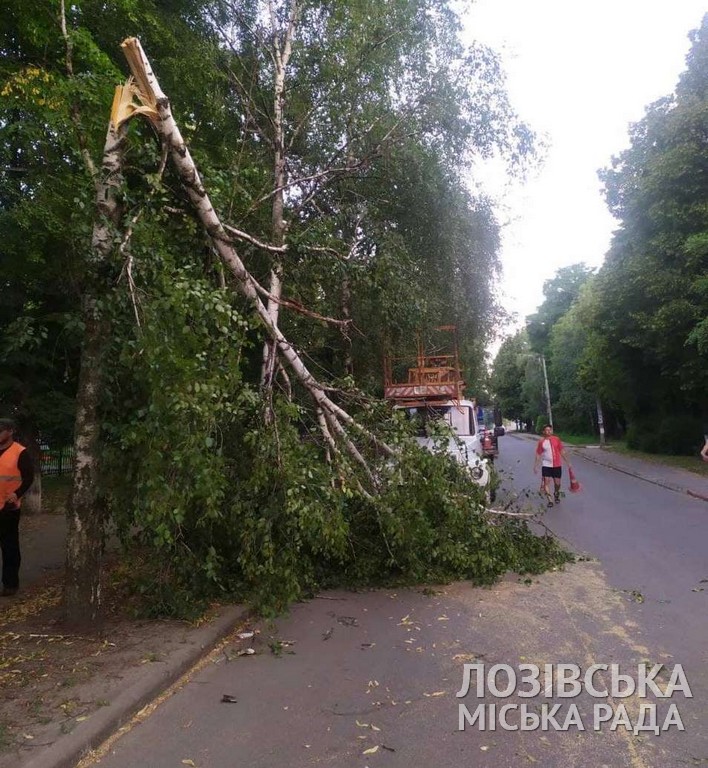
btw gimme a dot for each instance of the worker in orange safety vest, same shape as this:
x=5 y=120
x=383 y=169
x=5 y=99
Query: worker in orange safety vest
x=16 y=477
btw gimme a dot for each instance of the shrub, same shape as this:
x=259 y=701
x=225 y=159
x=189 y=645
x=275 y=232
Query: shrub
x=674 y=435
x=680 y=436
x=642 y=435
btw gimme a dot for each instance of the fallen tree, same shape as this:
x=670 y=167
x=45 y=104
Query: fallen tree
x=339 y=429
x=281 y=520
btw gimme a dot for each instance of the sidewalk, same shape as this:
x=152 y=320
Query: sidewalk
x=82 y=702
x=43 y=539
x=678 y=480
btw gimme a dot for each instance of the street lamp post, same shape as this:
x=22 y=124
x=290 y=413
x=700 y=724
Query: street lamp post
x=548 y=391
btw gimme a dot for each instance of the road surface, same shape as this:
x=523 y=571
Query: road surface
x=370 y=678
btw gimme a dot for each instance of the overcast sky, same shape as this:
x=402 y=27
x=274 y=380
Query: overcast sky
x=579 y=73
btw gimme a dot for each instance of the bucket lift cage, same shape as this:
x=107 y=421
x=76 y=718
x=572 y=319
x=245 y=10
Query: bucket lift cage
x=434 y=375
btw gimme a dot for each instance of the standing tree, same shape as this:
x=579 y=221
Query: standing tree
x=653 y=304
x=508 y=376
x=559 y=294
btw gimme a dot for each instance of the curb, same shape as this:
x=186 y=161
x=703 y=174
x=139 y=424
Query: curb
x=654 y=481
x=67 y=751
x=629 y=472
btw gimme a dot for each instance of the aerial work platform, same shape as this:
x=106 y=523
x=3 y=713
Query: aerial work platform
x=429 y=376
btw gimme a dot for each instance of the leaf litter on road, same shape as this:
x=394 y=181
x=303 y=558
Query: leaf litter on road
x=467 y=656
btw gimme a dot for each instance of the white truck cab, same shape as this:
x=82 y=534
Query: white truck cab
x=461 y=417
x=430 y=387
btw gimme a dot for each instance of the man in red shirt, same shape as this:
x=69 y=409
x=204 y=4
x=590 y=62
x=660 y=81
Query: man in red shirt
x=550 y=453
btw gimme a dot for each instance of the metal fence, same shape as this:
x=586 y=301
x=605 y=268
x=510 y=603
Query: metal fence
x=58 y=461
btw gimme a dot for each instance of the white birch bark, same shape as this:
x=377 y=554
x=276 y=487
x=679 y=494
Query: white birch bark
x=85 y=514
x=281 y=57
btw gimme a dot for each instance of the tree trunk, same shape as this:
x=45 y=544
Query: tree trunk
x=346 y=310
x=85 y=517
x=32 y=500
x=281 y=57
x=600 y=421
x=85 y=514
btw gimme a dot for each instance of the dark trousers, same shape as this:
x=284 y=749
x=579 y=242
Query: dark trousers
x=10 y=547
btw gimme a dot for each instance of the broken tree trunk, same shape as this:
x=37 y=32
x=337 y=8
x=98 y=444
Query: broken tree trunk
x=340 y=426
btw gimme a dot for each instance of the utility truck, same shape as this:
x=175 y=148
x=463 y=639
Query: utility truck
x=429 y=387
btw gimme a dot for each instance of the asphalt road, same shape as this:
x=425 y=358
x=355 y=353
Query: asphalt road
x=370 y=679
x=651 y=541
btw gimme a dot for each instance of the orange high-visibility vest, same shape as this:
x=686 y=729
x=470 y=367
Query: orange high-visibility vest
x=10 y=477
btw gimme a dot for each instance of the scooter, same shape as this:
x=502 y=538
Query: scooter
x=490 y=446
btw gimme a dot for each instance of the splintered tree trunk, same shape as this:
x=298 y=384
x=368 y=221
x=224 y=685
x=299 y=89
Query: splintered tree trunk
x=338 y=427
x=85 y=514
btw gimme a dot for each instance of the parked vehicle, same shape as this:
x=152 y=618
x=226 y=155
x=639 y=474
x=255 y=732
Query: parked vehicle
x=490 y=443
x=429 y=387
x=465 y=446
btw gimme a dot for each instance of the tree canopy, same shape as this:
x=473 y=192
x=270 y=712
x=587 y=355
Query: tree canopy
x=635 y=335
x=218 y=365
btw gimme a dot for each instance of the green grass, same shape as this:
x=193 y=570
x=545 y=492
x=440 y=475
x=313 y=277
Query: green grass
x=579 y=439
x=692 y=463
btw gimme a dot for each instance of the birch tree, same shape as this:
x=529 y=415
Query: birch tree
x=86 y=514
x=307 y=182
x=351 y=85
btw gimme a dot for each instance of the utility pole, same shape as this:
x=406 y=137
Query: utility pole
x=548 y=391
x=600 y=421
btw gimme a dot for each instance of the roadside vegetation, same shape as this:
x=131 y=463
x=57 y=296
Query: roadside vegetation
x=200 y=282
x=630 y=341
x=691 y=463
x=572 y=439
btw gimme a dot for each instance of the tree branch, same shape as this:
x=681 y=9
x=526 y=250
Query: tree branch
x=337 y=419
x=297 y=307
x=74 y=112
x=255 y=241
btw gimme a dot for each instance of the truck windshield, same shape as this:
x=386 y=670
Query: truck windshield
x=458 y=417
